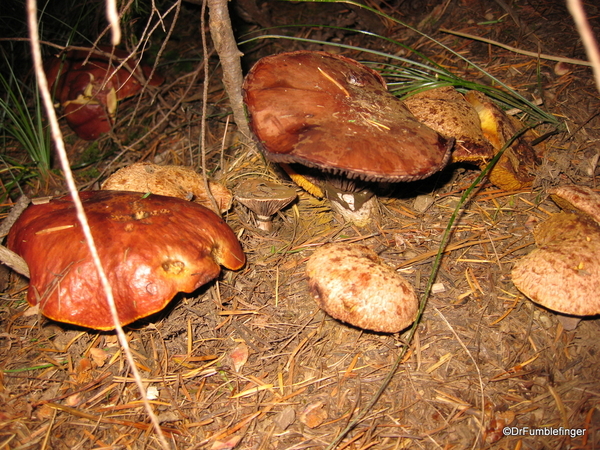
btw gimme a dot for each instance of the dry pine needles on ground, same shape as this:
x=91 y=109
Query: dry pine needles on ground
x=251 y=362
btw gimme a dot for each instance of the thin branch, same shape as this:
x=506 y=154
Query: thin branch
x=578 y=62
x=587 y=36
x=64 y=161
x=112 y=14
x=230 y=57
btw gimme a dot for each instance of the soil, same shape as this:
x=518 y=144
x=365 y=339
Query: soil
x=250 y=361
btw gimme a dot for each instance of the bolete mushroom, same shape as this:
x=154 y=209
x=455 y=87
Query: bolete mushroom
x=352 y=284
x=172 y=181
x=481 y=129
x=563 y=273
x=151 y=247
x=334 y=116
x=264 y=198
x=88 y=86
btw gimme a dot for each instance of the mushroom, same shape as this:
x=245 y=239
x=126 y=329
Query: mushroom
x=88 y=86
x=151 y=247
x=264 y=198
x=172 y=181
x=481 y=129
x=563 y=273
x=351 y=284
x=333 y=116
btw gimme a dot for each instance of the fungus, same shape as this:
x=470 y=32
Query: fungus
x=88 y=86
x=264 y=198
x=151 y=247
x=563 y=273
x=333 y=116
x=351 y=284
x=481 y=129
x=172 y=181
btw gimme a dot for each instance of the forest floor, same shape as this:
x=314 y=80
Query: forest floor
x=484 y=356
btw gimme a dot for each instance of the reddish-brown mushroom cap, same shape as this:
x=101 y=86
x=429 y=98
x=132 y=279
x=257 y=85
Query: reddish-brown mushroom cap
x=151 y=248
x=88 y=87
x=332 y=113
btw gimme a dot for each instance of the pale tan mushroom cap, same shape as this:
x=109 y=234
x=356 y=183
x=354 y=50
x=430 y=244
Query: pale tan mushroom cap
x=563 y=274
x=172 y=181
x=351 y=284
x=445 y=110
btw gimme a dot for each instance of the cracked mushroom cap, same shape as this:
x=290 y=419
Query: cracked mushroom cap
x=563 y=273
x=445 y=110
x=481 y=129
x=329 y=112
x=351 y=284
x=151 y=248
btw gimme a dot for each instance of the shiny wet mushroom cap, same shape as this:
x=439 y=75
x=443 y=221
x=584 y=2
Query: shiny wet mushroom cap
x=353 y=285
x=331 y=113
x=88 y=85
x=151 y=247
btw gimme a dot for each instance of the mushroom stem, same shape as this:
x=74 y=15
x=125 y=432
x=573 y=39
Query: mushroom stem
x=264 y=198
x=265 y=223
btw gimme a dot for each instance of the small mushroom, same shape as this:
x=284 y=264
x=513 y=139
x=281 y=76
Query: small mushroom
x=264 y=198
x=352 y=284
x=334 y=116
x=172 y=181
x=481 y=129
x=563 y=273
x=151 y=247
x=88 y=86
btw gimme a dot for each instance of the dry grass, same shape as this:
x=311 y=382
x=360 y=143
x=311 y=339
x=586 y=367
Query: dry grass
x=250 y=360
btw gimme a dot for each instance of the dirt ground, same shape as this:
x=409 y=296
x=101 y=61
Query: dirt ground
x=249 y=361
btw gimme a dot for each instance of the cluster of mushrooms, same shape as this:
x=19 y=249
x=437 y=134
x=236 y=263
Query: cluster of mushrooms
x=88 y=84
x=333 y=127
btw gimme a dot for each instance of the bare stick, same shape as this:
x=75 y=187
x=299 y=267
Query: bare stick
x=587 y=37
x=113 y=18
x=64 y=161
x=230 y=56
x=578 y=62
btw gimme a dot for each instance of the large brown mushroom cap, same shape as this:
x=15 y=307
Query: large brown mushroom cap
x=151 y=248
x=351 y=284
x=332 y=113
